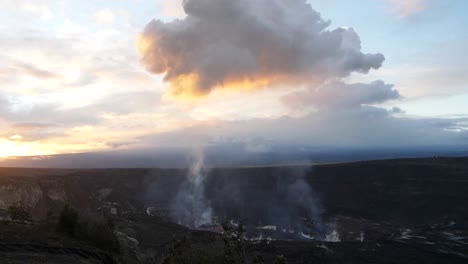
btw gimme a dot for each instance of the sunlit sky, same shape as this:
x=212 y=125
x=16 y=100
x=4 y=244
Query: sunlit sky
x=80 y=76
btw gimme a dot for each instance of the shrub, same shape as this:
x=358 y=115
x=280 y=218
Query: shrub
x=68 y=221
x=258 y=260
x=234 y=247
x=98 y=232
x=182 y=252
x=19 y=212
x=280 y=259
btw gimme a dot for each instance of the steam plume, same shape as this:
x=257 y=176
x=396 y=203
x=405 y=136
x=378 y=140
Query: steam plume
x=246 y=44
x=190 y=206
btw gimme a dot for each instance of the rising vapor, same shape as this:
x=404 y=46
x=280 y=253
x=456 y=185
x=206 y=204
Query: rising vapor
x=190 y=207
x=249 y=44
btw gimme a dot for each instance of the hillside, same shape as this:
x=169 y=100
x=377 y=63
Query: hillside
x=390 y=211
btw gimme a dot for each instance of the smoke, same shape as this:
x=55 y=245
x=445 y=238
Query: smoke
x=246 y=44
x=190 y=206
x=295 y=206
x=300 y=194
x=279 y=197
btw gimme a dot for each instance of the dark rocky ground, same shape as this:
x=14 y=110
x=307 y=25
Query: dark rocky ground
x=392 y=211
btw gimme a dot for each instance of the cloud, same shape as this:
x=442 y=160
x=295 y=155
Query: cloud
x=173 y=8
x=406 y=8
x=43 y=115
x=35 y=71
x=250 y=44
x=364 y=127
x=104 y=16
x=397 y=110
x=341 y=95
x=16 y=137
x=53 y=93
x=4 y=105
x=39 y=10
x=29 y=9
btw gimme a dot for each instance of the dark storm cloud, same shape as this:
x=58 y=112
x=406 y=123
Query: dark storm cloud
x=247 y=44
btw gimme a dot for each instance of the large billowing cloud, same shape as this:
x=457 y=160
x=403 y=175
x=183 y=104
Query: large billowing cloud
x=250 y=44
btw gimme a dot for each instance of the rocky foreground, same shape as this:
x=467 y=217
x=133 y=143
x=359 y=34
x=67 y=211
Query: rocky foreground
x=393 y=211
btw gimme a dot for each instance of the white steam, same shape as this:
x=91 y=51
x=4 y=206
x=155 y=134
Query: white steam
x=190 y=206
x=250 y=44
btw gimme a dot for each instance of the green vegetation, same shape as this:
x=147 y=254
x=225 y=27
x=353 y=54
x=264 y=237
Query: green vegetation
x=99 y=232
x=234 y=247
x=258 y=260
x=19 y=212
x=182 y=252
x=96 y=231
x=68 y=221
x=280 y=260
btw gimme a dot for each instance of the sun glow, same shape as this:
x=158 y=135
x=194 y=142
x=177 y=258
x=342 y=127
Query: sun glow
x=15 y=148
x=9 y=148
x=142 y=44
x=185 y=88
x=191 y=86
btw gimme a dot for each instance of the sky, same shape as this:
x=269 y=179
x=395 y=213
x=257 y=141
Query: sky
x=87 y=76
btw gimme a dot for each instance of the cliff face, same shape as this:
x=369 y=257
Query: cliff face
x=409 y=191
x=46 y=191
x=30 y=195
x=39 y=192
x=417 y=207
x=27 y=195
